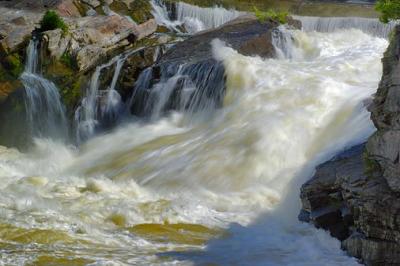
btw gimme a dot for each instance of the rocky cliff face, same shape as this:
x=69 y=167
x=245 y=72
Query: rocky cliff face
x=97 y=31
x=356 y=196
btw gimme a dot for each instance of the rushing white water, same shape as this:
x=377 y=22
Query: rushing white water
x=146 y=189
x=192 y=18
x=44 y=109
x=330 y=24
x=200 y=18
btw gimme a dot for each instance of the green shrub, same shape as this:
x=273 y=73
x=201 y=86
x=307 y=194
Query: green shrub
x=51 y=21
x=263 y=16
x=68 y=60
x=389 y=9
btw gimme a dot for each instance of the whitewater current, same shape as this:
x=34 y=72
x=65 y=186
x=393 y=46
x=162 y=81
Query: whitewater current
x=222 y=190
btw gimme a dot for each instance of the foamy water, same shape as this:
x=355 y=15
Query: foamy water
x=166 y=187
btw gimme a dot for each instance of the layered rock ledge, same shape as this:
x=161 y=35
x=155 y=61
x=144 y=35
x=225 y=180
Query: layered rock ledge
x=356 y=195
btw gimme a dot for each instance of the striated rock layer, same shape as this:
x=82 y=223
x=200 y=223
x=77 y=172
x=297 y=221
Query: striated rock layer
x=356 y=195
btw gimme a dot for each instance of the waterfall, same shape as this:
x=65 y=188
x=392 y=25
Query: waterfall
x=155 y=193
x=282 y=40
x=163 y=16
x=44 y=109
x=193 y=88
x=330 y=24
x=191 y=18
x=99 y=106
x=200 y=18
x=102 y=107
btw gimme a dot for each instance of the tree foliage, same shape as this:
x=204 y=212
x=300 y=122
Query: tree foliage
x=51 y=21
x=389 y=9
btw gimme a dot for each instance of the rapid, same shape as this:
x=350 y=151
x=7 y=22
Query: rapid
x=212 y=187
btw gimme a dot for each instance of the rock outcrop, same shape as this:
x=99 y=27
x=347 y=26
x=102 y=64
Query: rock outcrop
x=356 y=196
x=90 y=39
x=67 y=57
x=192 y=63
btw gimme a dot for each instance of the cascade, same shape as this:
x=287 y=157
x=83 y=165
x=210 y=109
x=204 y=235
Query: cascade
x=102 y=107
x=44 y=109
x=99 y=106
x=193 y=88
x=204 y=17
x=192 y=18
x=330 y=24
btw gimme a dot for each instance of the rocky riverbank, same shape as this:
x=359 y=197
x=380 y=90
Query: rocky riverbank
x=97 y=31
x=356 y=195
x=101 y=30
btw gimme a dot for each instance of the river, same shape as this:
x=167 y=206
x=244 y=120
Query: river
x=207 y=188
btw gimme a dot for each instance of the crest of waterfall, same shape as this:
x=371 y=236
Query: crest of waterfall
x=210 y=17
x=192 y=88
x=190 y=17
x=44 y=109
x=331 y=24
x=99 y=106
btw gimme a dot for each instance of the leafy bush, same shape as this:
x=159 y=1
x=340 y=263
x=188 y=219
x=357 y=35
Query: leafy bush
x=68 y=60
x=389 y=9
x=51 y=21
x=271 y=14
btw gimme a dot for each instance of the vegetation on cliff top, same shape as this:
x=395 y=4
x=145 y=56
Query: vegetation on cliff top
x=51 y=21
x=263 y=16
x=389 y=9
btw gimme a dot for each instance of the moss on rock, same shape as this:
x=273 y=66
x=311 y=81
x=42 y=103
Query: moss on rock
x=69 y=81
x=14 y=65
x=138 y=10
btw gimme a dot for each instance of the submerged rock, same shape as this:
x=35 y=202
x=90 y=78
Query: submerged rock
x=356 y=196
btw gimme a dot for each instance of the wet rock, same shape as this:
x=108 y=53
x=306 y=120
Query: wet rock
x=194 y=60
x=360 y=193
x=139 y=10
x=355 y=206
x=67 y=8
x=92 y=3
x=16 y=28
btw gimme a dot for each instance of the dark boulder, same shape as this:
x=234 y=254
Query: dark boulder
x=199 y=77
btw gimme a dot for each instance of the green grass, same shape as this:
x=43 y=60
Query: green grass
x=51 y=21
x=68 y=60
x=270 y=14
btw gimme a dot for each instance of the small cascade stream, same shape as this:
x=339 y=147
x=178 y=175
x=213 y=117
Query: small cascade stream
x=192 y=18
x=45 y=112
x=98 y=106
x=332 y=24
x=192 y=88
